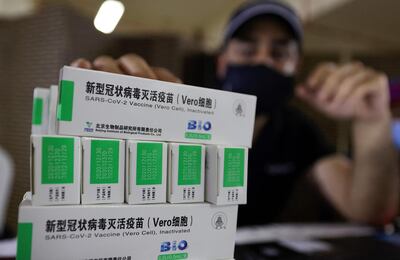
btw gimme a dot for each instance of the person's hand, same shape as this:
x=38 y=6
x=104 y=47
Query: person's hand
x=350 y=91
x=129 y=64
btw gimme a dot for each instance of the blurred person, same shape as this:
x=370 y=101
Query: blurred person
x=6 y=180
x=260 y=55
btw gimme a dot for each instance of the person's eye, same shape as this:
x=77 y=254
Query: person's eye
x=247 y=51
x=283 y=50
x=279 y=53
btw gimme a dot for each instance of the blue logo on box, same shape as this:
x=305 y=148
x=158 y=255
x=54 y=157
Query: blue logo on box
x=199 y=125
x=173 y=246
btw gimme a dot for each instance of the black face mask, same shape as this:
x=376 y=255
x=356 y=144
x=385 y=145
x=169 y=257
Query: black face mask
x=273 y=89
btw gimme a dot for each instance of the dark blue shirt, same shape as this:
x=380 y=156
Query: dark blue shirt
x=286 y=148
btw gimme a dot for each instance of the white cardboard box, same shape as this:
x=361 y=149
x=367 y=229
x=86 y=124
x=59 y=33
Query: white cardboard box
x=146 y=172
x=226 y=174
x=186 y=165
x=103 y=170
x=198 y=231
x=55 y=170
x=53 y=100
x=100 y=104
x=40 y=111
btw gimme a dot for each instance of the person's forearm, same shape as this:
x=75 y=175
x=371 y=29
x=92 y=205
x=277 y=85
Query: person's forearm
x=375 y=185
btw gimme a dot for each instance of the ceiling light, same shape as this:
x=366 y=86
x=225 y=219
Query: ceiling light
x=108 y=16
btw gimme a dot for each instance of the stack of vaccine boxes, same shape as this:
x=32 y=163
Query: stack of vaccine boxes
x=102 y=142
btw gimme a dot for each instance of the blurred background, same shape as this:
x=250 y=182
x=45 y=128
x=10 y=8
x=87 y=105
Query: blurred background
x=38 y=37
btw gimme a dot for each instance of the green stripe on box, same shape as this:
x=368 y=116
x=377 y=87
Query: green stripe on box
x=199 y=136
x=65 y=105
x=37 y=111
x=104 y=161
x=173 y=256
x=234 y=167
x=24 y=241
x=189 y=165
x=149 y=164
x=57 y=160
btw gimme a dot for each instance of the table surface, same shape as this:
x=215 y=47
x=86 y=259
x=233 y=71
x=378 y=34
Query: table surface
x=365 y=248
x=315 y=242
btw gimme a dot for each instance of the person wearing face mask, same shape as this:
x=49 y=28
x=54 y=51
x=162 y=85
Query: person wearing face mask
x=260 y=56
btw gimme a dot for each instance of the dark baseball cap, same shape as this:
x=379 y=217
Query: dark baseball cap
x=253 y=9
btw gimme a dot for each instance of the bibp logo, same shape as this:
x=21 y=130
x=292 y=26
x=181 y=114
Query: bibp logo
x=198 y=129
x=199 y=125
x=171 y=246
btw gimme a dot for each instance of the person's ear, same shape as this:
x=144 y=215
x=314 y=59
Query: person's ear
x=221 y=65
